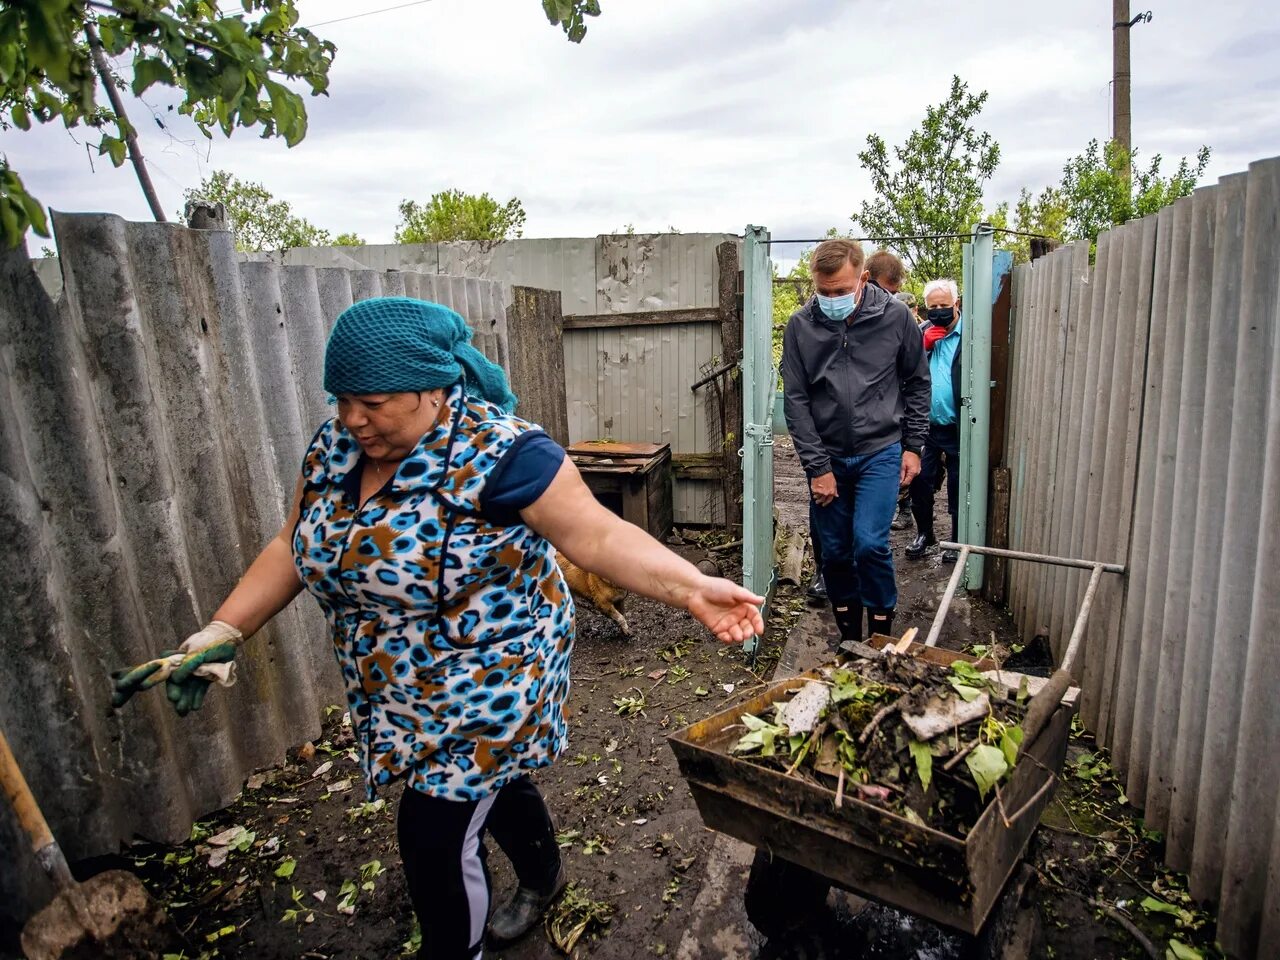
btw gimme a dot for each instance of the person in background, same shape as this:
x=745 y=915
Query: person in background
x=889 y=273
x=886 y=271
x=425 y=523
x=942 y=342
x=913 y=305
x=856 y=398
x=902 y=518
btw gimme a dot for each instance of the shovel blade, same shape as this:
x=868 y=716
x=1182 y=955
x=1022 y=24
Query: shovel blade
x=109 y=916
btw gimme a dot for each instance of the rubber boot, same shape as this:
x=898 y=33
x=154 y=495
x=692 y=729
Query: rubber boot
x=848 y=619
x=879 y=621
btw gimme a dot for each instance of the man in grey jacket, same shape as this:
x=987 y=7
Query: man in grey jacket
x=856 y=399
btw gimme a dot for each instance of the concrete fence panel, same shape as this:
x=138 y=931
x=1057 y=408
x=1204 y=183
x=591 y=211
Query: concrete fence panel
x=1162 y=452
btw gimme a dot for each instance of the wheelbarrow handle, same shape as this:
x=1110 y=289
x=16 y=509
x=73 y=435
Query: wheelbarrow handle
x=32 y=820
x=1043 y=706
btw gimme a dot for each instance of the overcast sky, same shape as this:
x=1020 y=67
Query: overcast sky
x=704 y=115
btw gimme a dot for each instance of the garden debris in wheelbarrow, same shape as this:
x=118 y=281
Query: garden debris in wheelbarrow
x=930 y=743
x=942 y=851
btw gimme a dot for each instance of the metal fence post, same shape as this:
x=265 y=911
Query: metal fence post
x=975 y=397
x=759 y=379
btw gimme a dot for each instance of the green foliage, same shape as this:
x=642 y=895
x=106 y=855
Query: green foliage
x=19 y=211
x=231 y=68
x=348 y=240
x=987 y=764
x=933 y=185
x=570 y=13
x=1096 y=195
x=923 y=758
x=258 y=220
x=454 y=215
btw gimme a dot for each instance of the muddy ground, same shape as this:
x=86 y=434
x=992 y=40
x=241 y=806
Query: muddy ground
x=311 y=871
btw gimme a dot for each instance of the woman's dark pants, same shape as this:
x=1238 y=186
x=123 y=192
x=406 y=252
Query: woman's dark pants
x=944 y=441
x=441 y=842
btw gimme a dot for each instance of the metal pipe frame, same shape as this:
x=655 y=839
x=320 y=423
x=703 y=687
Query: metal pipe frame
x=1035 y=557
x=1097 y=567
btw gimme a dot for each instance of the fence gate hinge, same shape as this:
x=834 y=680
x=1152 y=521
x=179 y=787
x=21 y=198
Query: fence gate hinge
x=762 y=432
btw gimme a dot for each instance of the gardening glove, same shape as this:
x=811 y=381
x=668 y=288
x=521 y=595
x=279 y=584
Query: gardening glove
x=205 y=657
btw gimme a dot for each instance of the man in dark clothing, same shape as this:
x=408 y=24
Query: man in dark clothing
x=856 y=399
x=889 y=273
x=942 y=341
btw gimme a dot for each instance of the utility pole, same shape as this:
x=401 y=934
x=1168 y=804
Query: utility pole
x=1121 y=118
x=130 y=138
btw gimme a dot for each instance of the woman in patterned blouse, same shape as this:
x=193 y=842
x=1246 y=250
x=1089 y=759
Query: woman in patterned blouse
x=425 y=523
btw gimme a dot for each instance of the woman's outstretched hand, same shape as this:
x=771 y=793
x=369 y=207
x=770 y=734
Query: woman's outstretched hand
x=730 y=611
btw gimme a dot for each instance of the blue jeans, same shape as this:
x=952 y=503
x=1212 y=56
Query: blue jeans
x=853 y=530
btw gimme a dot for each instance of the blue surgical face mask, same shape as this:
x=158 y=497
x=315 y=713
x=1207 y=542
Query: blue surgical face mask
x=838 y=308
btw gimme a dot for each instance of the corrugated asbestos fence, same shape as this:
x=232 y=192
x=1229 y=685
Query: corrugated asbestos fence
x=624 y=379
x=152 y=423
x=1144 y=428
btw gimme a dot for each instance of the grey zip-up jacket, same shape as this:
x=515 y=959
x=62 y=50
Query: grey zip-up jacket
x=853 y=388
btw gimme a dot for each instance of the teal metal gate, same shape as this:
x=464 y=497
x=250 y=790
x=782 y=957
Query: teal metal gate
x=975 y=397
x=758 y=383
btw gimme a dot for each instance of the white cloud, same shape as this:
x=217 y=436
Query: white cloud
x=703 y=114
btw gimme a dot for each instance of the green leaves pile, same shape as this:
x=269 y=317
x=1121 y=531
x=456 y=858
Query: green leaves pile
x=862 y=732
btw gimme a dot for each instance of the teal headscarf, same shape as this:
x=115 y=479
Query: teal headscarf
x=398 y=344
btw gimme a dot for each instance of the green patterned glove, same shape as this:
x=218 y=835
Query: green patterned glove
x=207 y=656
x=142 y=677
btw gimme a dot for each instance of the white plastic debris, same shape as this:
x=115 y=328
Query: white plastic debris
x=802 y=711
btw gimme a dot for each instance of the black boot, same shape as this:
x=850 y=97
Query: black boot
x=879 y=621
x=817 y=588
x=920 y=546
x=848 y=619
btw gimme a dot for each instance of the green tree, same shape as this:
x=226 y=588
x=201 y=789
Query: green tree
x=258 y=220
x=231 y=68
x=348 y=240
x=933 y=185
x=1096 y=196
x=454 y=215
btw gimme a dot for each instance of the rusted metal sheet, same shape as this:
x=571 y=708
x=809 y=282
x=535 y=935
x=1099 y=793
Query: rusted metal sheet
x=626 y=383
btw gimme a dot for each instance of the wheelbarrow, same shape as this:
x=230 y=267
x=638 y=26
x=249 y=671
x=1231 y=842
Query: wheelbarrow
x=866 y=849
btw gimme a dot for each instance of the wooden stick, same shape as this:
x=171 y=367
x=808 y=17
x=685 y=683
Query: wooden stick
x=968 y=748
x=907 y=639
x=840 y=789
x=875 y=721
x=1010 y=821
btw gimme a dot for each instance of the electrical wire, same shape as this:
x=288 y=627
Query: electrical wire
x=367 y=13
x=927 y=236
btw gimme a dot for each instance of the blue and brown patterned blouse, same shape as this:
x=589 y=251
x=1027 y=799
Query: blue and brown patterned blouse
x=451 y=621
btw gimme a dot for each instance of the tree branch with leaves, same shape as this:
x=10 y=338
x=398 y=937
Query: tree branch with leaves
x=232 y=69
x=933 y=185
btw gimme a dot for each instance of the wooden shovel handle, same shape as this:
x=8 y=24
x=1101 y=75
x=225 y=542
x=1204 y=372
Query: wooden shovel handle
x=20 y=798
